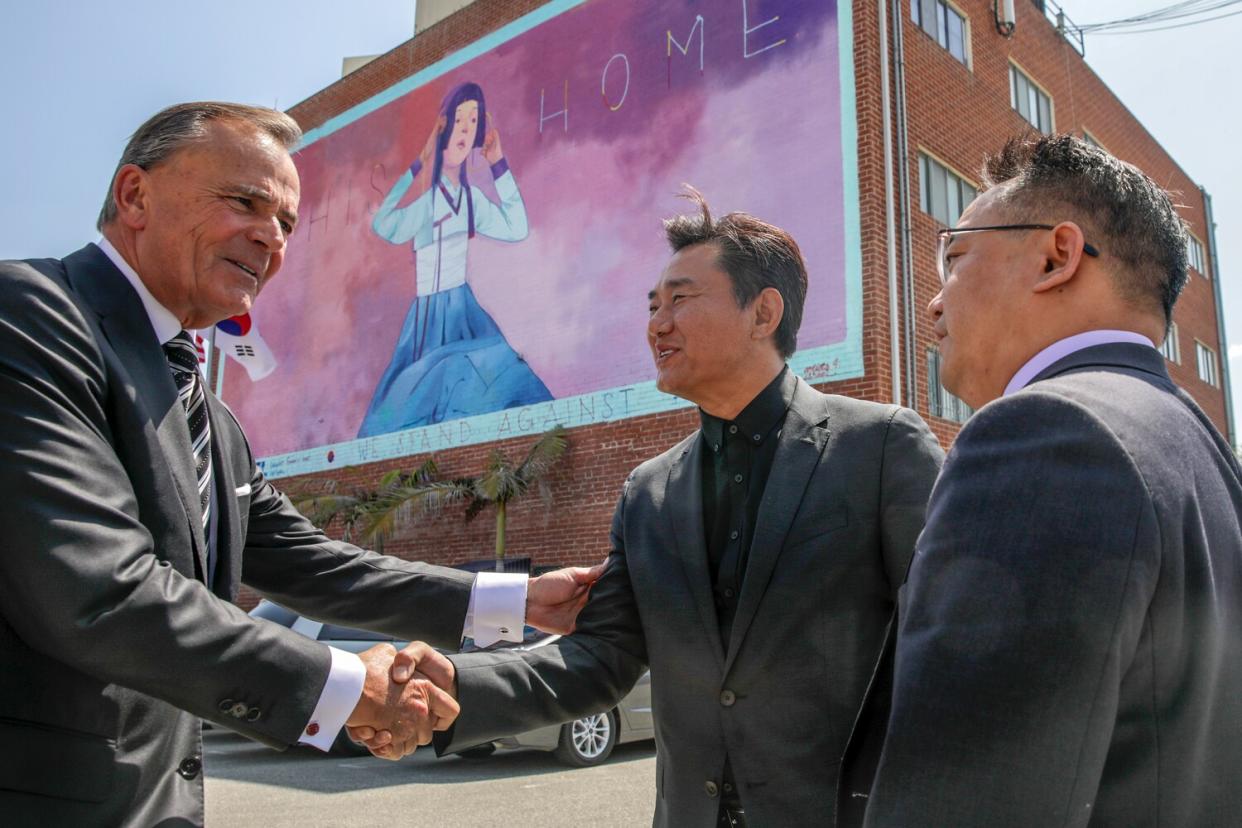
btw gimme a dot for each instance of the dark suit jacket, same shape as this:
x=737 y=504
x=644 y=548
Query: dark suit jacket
x=111 y=644
x=835 y=531
x=1069 y=649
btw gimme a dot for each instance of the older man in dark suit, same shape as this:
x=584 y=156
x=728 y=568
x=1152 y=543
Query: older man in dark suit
x=130 y=496
x=1069 y=649
x=754 y=564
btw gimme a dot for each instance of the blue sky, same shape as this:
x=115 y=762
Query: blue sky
x=79 y=76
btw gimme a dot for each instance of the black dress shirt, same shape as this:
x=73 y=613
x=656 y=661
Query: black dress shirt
x=737 y=460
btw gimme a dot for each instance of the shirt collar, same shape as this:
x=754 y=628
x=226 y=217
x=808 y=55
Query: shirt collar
x=1063 y=348
x=165 y=324
x=760 y=416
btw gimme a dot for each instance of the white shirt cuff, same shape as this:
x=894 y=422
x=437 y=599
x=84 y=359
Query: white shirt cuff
x=339 y=698
x=497 y=610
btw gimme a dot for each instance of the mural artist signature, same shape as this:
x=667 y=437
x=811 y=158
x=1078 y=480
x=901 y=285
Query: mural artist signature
x=820 y=371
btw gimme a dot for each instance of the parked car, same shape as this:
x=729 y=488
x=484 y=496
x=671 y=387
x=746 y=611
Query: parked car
x=580 y=743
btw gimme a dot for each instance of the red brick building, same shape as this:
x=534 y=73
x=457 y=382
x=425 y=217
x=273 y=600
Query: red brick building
x=960 y=82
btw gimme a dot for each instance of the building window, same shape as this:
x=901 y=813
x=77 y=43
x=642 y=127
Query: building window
x=945 y=194
x=945 y=24
x=940 y=402
x=1205 y=357
x=1090 y=139
x=1194 y=254
x=1171 y=350
x=1029 y=100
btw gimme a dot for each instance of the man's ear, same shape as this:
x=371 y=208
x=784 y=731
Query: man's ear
x=768 y=309
x=131 y=193
x=1062 y=257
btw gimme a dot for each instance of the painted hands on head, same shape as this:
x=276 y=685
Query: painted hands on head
x=492 y=151
x=406 y=712
x=427 y=158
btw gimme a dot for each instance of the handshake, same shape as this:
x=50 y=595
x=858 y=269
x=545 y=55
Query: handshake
x=408 y=695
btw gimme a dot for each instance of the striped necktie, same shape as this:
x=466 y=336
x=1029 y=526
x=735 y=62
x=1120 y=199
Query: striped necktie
x=183 y=360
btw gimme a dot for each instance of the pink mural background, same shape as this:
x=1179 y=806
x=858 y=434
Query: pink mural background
x=757 y=129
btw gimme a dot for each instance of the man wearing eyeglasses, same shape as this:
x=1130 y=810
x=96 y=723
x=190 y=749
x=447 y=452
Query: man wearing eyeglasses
x=1069 y=650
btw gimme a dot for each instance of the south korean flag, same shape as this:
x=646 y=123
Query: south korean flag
x=238 y=338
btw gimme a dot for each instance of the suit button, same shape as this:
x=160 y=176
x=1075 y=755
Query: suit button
x=712 y=789
x=727 y=698
x=226 y=705
x=253 y=714
x=238 y=710
x=189 y=768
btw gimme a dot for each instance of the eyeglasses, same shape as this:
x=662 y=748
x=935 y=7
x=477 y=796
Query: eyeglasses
x=945 y=236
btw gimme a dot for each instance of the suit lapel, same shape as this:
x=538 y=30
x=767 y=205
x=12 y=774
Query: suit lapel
x=228 y=521
x=684 y=496
x=125 y=324
x=802 y=441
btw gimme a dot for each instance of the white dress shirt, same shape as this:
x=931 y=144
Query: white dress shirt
x=496 y=612
x=1064 y=347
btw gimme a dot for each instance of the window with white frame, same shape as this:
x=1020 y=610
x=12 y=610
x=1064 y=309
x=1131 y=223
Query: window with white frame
x=1171 y=350
x=939 y=401
x=945 y=194
x=945 y=24
x=1090 y=139
x=1031 y=102
x=1205 y=358
x=1194 y=254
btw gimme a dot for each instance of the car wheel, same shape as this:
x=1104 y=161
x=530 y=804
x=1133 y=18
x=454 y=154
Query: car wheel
x=478 y=751
x=588 y=741
x=345 y=746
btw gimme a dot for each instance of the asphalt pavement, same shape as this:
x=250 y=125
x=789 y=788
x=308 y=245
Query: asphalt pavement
x=249 y=784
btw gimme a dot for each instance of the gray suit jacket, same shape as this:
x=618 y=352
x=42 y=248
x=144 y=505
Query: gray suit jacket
x=1069 y=649
x=835 y=531
x=111 y=644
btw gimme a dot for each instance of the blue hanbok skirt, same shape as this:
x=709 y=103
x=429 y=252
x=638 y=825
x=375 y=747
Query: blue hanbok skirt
x=451 y=361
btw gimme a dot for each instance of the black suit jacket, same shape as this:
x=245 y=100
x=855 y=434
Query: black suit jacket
x=112 y=645
x=1069 y=649
x=835 y=530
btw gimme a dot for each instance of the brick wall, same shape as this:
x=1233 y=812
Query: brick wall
x=956 y=113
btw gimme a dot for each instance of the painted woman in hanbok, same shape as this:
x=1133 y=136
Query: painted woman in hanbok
x=451 y=359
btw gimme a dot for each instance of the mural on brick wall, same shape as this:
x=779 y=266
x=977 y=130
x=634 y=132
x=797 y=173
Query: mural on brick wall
x=476 y=242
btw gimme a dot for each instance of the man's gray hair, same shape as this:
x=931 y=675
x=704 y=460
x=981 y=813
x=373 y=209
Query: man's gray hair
x=1121 y=211
x=178 y=126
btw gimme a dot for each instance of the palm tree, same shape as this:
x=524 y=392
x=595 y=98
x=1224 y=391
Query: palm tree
x=396 y=504
x=322 y=504
x=376 y=514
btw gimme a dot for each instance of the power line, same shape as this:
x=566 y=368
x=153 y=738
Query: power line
x=1167 y=28
x=1140 y=23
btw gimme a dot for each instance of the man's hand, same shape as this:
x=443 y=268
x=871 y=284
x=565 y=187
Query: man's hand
x=417 y=664
x=554 y=599
x=405 y=712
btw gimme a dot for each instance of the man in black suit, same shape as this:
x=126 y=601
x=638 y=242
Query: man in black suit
x=1069 y=648
x=753 y=565
x=132 y=509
